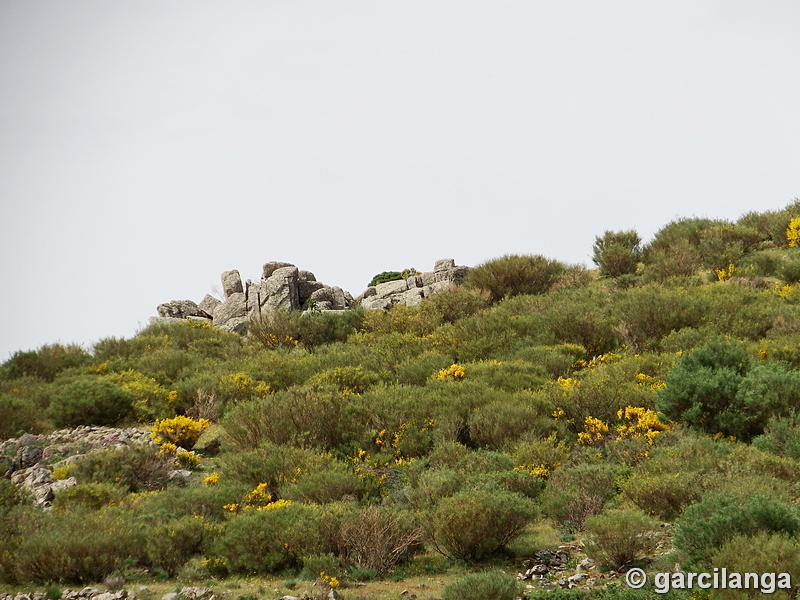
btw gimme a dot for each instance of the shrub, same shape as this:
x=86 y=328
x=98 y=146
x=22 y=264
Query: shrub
x=334 y=483
x=575 y=493
x=17 y=415
x=617 y=253
x=513 y=274
x=271 y=464
x=88 y=496
x=760 y=553
x=77 y=548
x=471 y=525
x=490 y=585
x=384 y=277
x=790 y=270
x=500 y=425
x=9 y=496
x=137 y=468
x=261 y=542
x=454 y=303
x=618 y=537
x=170 y=545
x=663 y=495
x=701 y=390
x=317 y=416
x=90 y=402
x=705 y=526
x=781 y=436
x=376 y=538
x=44 y=363
x=180 y=431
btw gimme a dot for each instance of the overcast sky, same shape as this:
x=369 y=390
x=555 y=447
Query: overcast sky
x=145 y=147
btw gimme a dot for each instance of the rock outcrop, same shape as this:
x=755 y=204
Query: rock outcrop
x=411 y=291
x=30 y=459
x=284 y=287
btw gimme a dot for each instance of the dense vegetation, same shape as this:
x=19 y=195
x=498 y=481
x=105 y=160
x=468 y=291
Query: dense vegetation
x=538 y=396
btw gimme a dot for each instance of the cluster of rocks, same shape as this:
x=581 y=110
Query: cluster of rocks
x=549 y=568
x=282 y=287
x=30 y=459
x=285 y=287
x=411 y=291
x=91 y=593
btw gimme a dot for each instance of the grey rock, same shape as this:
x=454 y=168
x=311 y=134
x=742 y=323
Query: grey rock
x=27 y=456
x=383 y=290
x=428 y=277
x=63 y=484
x=269 y=268
x=415 y=281
x=231 y=283
x=368 y=293
x=577 y=579
x=306 y=288
x=280 y=290
x=88 y=591
x=412 y=297
x=105 y=596
x=376 y=303
x=306 y=276
x=170 y=596
x=6 y=466
x=236 y=325
x=196 y=593
x=340 y=301
x=234 y=306
x=208 y=304
x=180 y=309
x=444 y=264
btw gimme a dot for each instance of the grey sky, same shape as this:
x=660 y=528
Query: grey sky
x=147 y=146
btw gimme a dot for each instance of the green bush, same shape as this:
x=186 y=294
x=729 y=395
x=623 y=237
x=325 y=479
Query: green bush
x=202 y=501
x=90 y=402
x=471 y=525
x=271 y=464
x=88 y=496
x=790 y=270
x=335 y=483
x=500 y=425
x=490 y=585
x=702 y=388
x=17 y=415
x=761 y=553
x=781 y=436
x=45 y=363
x=313 y=416
x=575 y=493
x=617 y=253
x=136 y=468
x=9 y=496
x=454 y=303
x=385 y=277
x=706 y=526
x=663 y=495
x=514 y=274
x=170 y=545
x=619 y=537
x=77 y=548
x=263 y=542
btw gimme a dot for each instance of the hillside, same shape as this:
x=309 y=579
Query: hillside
x=539 y=418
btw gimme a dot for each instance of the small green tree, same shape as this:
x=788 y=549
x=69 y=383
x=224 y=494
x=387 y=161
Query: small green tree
x=617 y=252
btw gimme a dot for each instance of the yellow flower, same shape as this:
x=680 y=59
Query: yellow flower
x=212 y=479
x=594 y=430
x=454 y=371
